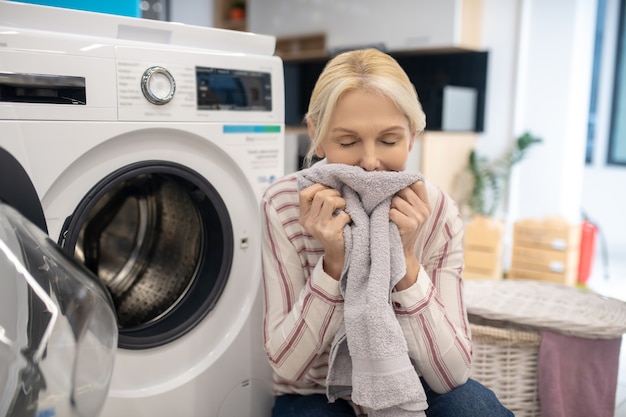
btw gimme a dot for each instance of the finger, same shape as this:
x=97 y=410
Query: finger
x=399 y=202
x=408 y=204
x=307 y=194
x=406 y=200
x=420 y=189
x=342 y=218
x=396 y=216
x=312 y=198
x=326 y=204
x=409 y=194
x=414 y=197
x=318 y=206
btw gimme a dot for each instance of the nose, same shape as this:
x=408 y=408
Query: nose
x=369 y=159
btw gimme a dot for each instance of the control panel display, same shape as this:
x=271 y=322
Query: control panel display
x=235 y=90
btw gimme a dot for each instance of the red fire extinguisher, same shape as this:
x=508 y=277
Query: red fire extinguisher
x=588 y=235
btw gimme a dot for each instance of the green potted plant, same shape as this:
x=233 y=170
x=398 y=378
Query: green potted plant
x=487 y=185
x=491 y=178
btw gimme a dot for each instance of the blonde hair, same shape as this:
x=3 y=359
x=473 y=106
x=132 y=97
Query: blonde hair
x=365 y=69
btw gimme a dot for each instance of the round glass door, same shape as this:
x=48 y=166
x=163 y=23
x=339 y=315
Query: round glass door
x=159 y=237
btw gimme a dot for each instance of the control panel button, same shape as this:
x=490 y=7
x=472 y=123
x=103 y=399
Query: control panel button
x=158 y=85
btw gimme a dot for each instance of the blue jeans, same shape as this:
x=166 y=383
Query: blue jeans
x=469 y=400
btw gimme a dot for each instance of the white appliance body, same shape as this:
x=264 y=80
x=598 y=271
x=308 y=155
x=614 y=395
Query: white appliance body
x=79 y=149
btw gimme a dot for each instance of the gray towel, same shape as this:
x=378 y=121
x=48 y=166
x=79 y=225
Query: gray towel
x=368 y=358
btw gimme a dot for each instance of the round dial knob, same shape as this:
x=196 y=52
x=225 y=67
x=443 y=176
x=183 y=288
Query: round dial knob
x=158 y=85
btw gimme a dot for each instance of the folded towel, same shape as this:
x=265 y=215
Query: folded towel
x=368 y=357
x=577 y=377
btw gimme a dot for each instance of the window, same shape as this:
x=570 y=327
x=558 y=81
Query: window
x=595 y=79
x=617 y=135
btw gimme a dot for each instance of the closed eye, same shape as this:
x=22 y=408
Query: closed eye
x=390 y=140
x=347 y=140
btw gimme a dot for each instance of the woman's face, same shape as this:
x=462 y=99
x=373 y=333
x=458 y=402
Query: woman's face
x=369 y=131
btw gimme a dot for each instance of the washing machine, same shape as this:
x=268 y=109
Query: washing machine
x=149 y=145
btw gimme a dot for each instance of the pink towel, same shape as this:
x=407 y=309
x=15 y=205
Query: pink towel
x=577 y=377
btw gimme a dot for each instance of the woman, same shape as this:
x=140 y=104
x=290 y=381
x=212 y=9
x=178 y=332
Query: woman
x=364 y=112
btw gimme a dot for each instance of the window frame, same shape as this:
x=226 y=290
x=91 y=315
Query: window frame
x=619 y=93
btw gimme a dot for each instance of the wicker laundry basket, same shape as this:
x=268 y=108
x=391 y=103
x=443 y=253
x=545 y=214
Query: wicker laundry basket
x=506 y=360
x=506 y=318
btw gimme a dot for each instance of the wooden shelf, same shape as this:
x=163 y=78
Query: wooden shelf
x=239 y=24
x=302 y=47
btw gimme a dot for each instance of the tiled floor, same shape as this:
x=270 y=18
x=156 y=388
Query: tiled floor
x=613 y=285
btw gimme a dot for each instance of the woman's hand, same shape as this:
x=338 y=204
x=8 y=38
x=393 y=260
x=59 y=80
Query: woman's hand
x=322 y=215
x=409 y=211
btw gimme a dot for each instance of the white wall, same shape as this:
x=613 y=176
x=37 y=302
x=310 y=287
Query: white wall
x=552 y=100
x=550 y=67
x=192 y=12
x=603 y=199
x=499 y=34
x=538 y=80
x=398 y=25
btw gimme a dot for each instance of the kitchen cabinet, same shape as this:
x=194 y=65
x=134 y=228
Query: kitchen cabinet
x=431 y=73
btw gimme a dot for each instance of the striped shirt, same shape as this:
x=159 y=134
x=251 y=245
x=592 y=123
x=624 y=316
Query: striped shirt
x=304 y=307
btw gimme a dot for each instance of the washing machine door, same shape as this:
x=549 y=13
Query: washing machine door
x=58 y=330
x=19 y=192
x=159 y=236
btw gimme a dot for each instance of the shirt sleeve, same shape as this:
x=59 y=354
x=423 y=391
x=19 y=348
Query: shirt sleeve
x=432 y=311
x=303 y=306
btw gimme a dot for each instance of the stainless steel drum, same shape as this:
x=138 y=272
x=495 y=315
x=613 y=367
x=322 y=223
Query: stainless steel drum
x=160 y=239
